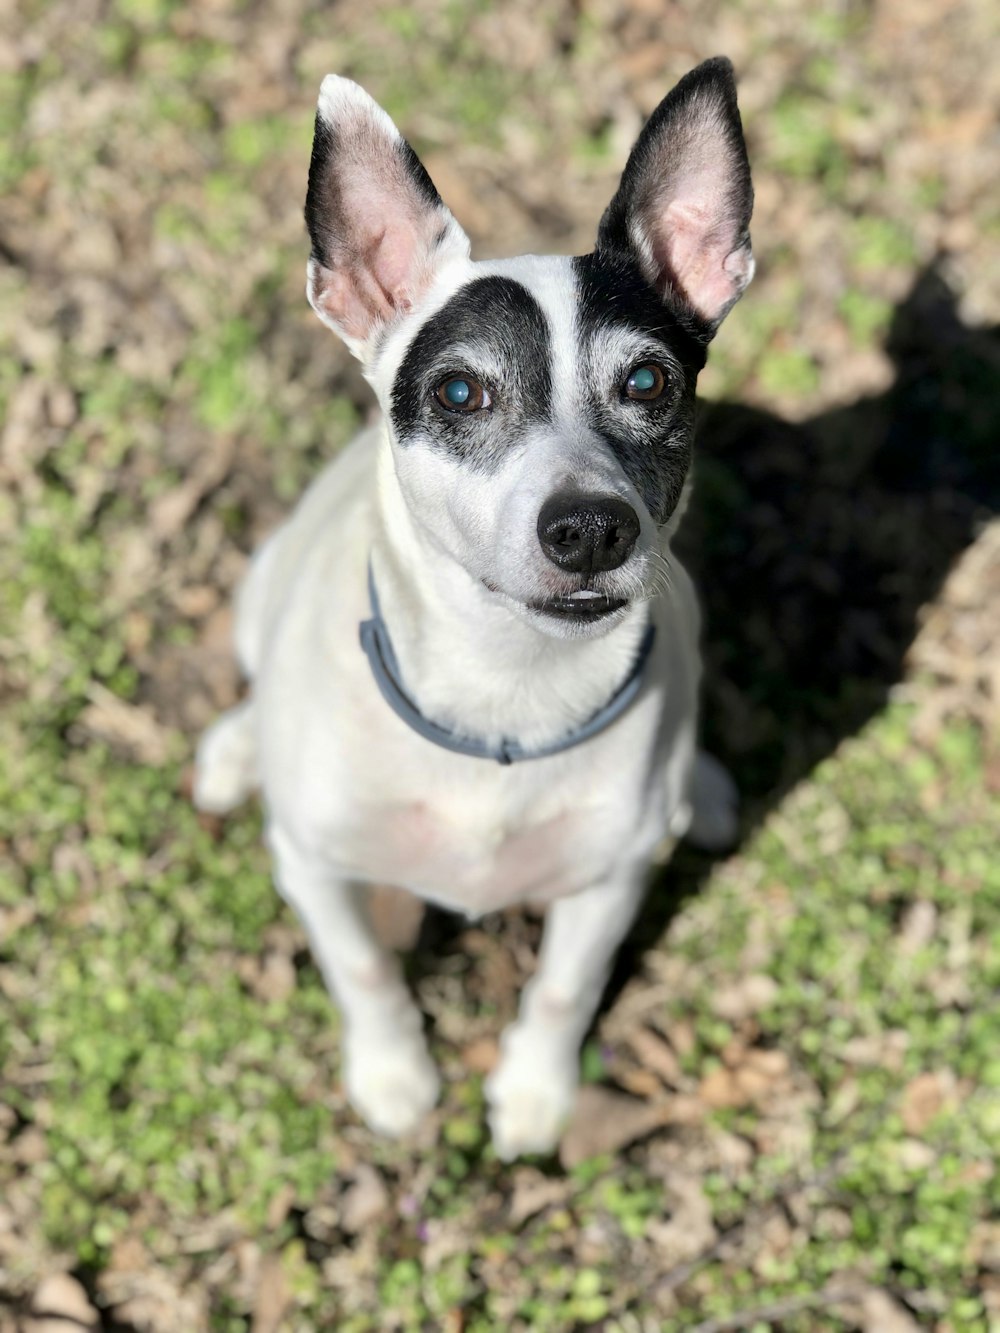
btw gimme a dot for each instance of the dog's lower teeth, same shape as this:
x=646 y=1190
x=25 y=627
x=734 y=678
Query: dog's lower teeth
x=585 y=594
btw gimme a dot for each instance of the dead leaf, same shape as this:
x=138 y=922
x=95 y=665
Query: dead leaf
x=480 y=1056
x=655 y=1054
x=985 y=1245
x=641 y=1083
x=746 y=997
x=396 y=917
x=605 y=1122
x=918 y=926
x=128 y=1255
x=170 y=511
x=59 y=1300
x=364 y=1200
x=271 y=978
x=196 y=601
x=130 y=729
x=272 y=1298
x=533 y=1192
x=925 y=1097
x=689 y=1230
x=280 y=1206
x=721 y=1088
x=880 y=1313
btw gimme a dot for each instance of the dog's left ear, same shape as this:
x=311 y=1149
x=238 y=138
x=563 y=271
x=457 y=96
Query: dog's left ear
x=683 y=205
x=379 y=230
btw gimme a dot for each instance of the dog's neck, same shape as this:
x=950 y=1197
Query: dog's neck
x=470 y=663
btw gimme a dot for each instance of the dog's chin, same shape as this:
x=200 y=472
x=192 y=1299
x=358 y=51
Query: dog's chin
x=583 y=615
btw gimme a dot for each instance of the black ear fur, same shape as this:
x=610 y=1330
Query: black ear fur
x=695 y=134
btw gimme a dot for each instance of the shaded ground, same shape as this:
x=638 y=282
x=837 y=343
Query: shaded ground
x=792 y=1110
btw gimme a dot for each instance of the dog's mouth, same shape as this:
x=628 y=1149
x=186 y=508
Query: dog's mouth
x=584 y=605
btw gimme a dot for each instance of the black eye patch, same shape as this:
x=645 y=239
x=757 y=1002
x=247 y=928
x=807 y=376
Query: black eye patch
x=495 y=321
x=649 y=427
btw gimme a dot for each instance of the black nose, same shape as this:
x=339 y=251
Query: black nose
x=587 y=533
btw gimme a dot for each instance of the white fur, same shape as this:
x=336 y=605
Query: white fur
x=353 y=796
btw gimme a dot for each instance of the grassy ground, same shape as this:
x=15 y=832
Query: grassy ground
x=792 y=1106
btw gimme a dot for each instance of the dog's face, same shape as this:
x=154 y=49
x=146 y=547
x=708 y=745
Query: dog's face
x=541 y=409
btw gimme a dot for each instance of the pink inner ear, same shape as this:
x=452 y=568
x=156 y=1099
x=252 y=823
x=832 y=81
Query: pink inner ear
x=693 y=247
x=695 y=252
x=349 y=300
x=367 y=288
x=379 y=255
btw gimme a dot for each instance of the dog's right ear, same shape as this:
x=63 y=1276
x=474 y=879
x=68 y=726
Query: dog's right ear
x=379 y=230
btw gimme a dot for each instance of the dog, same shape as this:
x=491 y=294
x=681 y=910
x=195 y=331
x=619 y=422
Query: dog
x=473 y=658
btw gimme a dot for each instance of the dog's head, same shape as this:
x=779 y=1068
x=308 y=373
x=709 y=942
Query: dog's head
x=540 y=410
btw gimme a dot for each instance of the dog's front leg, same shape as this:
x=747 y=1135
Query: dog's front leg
x=532 y=1089
x=387 y=1070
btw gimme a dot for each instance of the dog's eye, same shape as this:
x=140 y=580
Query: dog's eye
x=645 y=383
x=462 y=394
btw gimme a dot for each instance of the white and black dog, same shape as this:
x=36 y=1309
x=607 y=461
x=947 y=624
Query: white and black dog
x=473 y=656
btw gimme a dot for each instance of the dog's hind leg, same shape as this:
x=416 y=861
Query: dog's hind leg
x=226 y=761
x=715 y=806
x=226 y=758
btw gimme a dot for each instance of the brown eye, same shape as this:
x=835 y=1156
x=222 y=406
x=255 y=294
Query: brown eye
x=645 y=383
x=462 y=394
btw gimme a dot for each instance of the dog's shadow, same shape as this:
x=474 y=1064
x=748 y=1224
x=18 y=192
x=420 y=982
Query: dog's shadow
x=814 y=547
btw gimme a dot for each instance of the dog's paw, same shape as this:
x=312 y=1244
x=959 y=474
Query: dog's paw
x=392 y=1086
x=226 y=763
x=530 y=1103
x=715 y=806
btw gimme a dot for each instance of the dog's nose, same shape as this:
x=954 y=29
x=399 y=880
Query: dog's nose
x=587 y=533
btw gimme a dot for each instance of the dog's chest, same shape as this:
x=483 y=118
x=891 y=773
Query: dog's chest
x=464 y=855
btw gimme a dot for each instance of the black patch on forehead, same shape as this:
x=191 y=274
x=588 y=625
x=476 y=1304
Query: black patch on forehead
x=613 y=293
x=652 y=442
x=489 y=324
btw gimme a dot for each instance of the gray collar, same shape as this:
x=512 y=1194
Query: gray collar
x=378 y=648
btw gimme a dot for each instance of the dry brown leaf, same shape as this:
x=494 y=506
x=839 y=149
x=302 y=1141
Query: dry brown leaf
x=272 y=1298
x=925 y=1097
x=689 y=1230
x=396 y=917
x=745 y=998
x=480 y=1056
x=131 y=729
x=605 y=1122
x=364 y=1200
x=880 y=1313
x=656 y=1054
x=270 y=978
x=170 y=511
x=721 y=1088
x=59 y=1299
x=150 y=1298
x=533 y=1192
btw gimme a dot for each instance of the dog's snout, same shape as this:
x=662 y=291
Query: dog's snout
x=587 y=533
